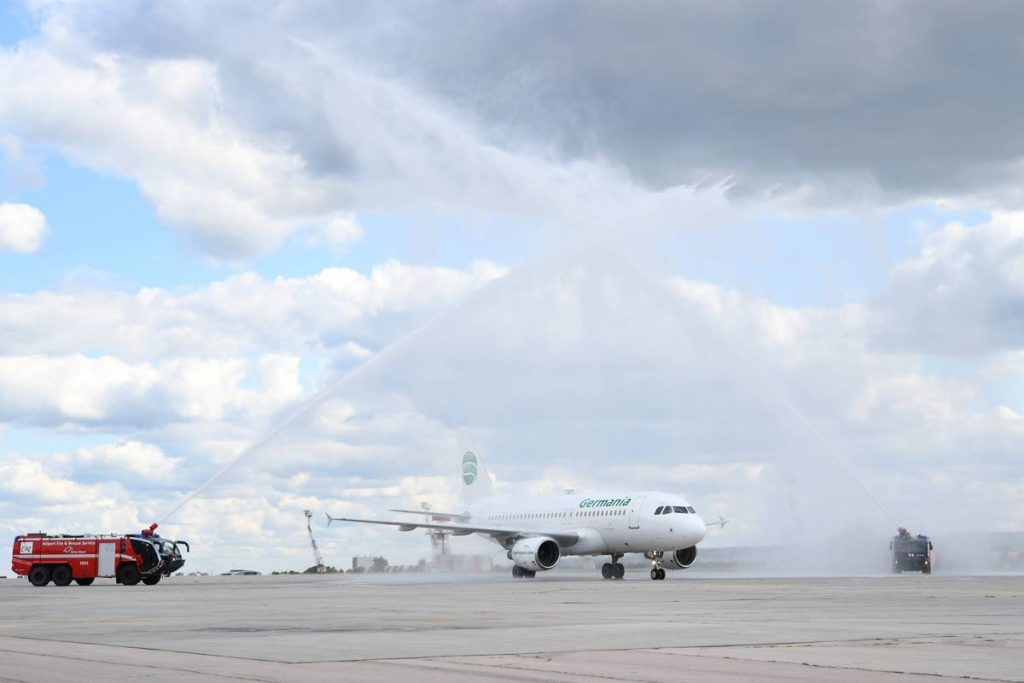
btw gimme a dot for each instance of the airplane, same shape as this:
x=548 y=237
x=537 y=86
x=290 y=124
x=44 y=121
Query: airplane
x=537 y=532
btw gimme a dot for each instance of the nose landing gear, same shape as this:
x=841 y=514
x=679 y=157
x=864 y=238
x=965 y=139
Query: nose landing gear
x=657 y=571
x=613 y=569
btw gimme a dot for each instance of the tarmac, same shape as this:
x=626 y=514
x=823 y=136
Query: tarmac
x=560 y=626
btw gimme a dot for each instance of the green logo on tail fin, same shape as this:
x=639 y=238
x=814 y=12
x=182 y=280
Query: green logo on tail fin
x=469 y=467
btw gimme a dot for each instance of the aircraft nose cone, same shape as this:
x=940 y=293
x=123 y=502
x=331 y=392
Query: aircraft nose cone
x=699 y=529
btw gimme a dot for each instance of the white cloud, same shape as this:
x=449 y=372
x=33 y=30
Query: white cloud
x=141 y=459
x=27 y=478
x=336 y=308
x=233 y=195
x=21 y=227
x=240 y=153
x=53 y=390
x=964 y=293
x=338 y=232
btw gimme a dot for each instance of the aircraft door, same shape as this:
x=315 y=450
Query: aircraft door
x=106 y=559
x=634 y=513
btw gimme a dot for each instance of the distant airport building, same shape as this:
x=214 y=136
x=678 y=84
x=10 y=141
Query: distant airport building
x=362 y=563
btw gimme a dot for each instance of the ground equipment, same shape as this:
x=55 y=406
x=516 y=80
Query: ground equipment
x=910 y=553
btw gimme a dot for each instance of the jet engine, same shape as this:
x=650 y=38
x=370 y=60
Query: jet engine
x=536 y=553
x=681 y=559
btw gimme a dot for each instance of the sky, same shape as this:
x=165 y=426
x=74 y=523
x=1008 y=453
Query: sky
x=769 y=257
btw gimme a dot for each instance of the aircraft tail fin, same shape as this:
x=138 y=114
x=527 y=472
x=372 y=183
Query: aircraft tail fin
x=476 y=481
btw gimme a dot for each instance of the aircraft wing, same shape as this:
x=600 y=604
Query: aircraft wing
x=562 y=537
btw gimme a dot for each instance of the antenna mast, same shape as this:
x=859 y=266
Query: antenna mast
x=320 y=568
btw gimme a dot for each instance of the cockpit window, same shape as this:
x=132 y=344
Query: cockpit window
x=690 y=508
x=679 y=509
x=658 y=511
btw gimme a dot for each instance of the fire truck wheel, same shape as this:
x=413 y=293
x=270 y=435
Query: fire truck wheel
x=85 y=582
x=61 y=575
x=40 y=575
x=151 y=580
x=128 y=574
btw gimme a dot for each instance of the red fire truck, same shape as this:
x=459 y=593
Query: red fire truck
x=63 y=559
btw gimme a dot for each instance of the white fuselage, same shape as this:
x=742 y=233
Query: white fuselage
x=610 y=523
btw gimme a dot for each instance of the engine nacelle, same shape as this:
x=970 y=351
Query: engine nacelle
x=537 y=553
x=681 y=559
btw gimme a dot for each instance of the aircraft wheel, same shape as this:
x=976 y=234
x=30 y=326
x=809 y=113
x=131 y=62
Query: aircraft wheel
x=517 y=571
x=85 y=582
x=61 y=575
x=619 y=571
x=40 y=575
x=661 y=575
x=654 y=575
x=529 y=573
x=606 y=571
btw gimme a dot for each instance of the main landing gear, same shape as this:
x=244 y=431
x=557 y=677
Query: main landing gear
x=520 y=573
x=657 y=571
x=613 y=569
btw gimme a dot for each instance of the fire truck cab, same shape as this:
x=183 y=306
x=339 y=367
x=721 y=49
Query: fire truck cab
x=82 y=559
x=169 y=550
